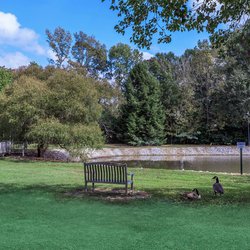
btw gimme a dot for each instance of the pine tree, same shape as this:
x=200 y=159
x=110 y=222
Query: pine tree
x=143 y=113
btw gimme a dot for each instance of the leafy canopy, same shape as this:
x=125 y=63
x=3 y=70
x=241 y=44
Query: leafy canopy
x=6 y=77
x=161 y=17
x=144 y=123
x=63 y=110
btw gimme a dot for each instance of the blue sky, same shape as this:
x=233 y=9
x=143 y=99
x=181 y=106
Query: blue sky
x=23 y=24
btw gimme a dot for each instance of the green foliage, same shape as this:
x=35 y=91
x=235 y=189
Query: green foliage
x=161 y=17
x=63 y=111
x=77 y=100
x=204 y=81
x=48 y=131
x=89 y=53
x=35 y=71
x=231 y=111
x=21 y=104
x=230 y=118
x=60 y=43
x=77 y=139
x=144 y=123
x=122 y=58
x=199 y=97
x=236 y=49
x=162 y=70
x=110 y=99
x=6 y=77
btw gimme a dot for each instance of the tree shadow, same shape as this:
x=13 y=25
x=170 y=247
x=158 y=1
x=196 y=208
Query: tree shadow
x=62 y=192
x=16 y=160
x=55 y=189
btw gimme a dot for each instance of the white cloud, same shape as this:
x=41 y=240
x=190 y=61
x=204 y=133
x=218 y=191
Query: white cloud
x=147 y=55
x=51 y=54
x=14 y=60
x=195 y=3
x=11 y=33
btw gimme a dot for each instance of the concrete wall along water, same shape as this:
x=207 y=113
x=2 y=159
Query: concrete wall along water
x=164 y=151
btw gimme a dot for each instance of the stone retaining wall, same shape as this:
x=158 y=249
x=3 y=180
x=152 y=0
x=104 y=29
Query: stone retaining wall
x=179 y=151
x=151 y=151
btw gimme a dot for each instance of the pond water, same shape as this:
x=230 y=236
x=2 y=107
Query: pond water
x=228 y=164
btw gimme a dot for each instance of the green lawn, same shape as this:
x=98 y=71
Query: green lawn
x=34 y=213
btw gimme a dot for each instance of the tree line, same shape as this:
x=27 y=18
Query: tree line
x=89 y=95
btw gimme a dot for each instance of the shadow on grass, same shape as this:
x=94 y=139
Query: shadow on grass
x=57 y=189
x=67 y=192
x=231 y=196
x=62 y=192
x=16 y=160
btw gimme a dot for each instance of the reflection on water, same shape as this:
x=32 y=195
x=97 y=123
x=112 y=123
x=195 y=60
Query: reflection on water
x=229 y=164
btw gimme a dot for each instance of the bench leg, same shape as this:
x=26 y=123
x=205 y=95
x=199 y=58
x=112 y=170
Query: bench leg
x=126 y=189
x=93 y=186
x=86 y=187
x=132 y=185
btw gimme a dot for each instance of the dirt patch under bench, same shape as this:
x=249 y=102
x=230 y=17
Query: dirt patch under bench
x=110 y=194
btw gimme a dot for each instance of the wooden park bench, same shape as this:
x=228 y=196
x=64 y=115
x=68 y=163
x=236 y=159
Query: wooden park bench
x=107 y=172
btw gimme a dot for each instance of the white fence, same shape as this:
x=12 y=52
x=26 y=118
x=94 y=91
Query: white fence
x=5 y=147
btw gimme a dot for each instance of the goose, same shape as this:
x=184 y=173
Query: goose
x=194 y=195
x=217 y=187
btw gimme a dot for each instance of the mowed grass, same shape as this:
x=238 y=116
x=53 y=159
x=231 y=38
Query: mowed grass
x=35 y=213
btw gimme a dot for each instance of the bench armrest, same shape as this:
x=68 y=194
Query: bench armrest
x=131 y=175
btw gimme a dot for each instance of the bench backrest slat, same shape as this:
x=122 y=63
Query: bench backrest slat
x=110 y=175
x=97 y=174
x=105 y=172
x=115 y=175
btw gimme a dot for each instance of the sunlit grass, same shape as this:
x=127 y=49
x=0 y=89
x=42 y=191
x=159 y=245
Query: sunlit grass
x=160 y=183
x=35 y=213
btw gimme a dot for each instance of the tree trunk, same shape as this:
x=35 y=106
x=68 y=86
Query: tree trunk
x=40 y=150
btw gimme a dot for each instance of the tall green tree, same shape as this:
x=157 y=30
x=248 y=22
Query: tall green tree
x=161 y=69
x=60 y=42
x=231 y=104
x=203 y=70
x=89 y=53
x=231 y=111
x=122 y=58
x=143 y=115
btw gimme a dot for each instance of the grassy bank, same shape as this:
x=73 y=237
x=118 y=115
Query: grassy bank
x=161 y=183
x=34 y=213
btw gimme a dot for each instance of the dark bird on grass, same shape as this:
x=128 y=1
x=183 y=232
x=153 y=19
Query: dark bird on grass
x=194 y=195
x=217 y=187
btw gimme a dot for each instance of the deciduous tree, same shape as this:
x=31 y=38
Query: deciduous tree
x=122 y=58
x=63 y=111
x=162 y=17
x=60 y=43
x=89 y=53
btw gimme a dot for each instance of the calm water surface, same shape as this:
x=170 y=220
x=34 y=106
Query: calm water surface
x=229 y=164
